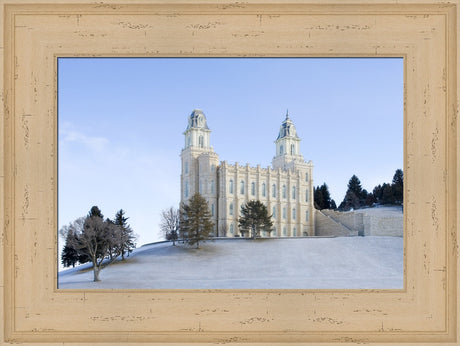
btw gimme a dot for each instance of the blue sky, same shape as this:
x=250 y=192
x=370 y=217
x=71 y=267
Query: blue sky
x=121 y=124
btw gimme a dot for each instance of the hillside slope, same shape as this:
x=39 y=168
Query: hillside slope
x=287 y=263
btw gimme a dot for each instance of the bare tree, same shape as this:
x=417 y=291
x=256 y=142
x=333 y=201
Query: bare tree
x=94 y=239
x=169 y=224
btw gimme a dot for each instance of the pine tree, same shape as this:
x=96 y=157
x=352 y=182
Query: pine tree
x=398 y=186
x=255 y=218
x=69 y=256
x=355 y=196
x=128 y=237
x=195 y=223
x=322 y=197
x=354 y=185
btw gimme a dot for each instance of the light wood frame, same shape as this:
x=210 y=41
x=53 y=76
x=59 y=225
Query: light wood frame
x=36 y=33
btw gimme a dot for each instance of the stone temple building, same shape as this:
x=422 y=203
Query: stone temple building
x=286 y=188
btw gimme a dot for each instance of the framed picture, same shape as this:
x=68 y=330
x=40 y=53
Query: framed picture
x=37 y=34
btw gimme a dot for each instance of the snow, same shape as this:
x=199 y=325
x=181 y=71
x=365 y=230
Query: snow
x=275 y=263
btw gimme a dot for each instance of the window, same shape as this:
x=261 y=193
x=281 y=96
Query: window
x=294 y=232
x=186 y=189
x=230 y=186
x=292 y=149
x=274 y=231
x=212 y=186
x=200 y=142
x=263 y=189
x=189 y=141
x=306 y=195
x=231 y=229
x=274 y=212
x=212 y=209
x=186 y=167
x=284 y=231
x=274 y=190
x=213 y=168
x=200 y=188
x=253 y=189
x=306 y=176
x=284 y=191
x=231 y=209
x=306 y=215
x=293 y=192
x=284 y=212
x=293 y=213
x=242 y=187
x=281 y=149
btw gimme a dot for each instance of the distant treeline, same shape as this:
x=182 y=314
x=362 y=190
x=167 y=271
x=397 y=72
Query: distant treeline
x=356 y=197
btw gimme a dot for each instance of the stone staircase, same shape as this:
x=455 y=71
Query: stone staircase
x=327 y=226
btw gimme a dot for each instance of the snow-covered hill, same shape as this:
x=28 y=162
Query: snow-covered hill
x=283 y=263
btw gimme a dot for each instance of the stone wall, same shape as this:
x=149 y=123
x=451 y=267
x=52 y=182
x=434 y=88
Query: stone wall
x=351 y=220
x=326 y=226
x=367 y=222
x=383 y=225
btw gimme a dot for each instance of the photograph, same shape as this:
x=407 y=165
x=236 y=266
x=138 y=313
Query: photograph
x=230 y=173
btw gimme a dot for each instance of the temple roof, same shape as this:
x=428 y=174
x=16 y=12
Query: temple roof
x=287 y=128
x=197 y=120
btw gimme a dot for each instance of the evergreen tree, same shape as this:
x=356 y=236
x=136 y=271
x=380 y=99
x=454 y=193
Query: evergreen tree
x=322 y=197
x=170 y=224
x=318 y=198
x=354 y=185
x=127 y=244
x=69 y=256
x=195 y=223
x=387 y=194
x=333 y=205
x=255 y=218
x=398 y=186
x=355 y=196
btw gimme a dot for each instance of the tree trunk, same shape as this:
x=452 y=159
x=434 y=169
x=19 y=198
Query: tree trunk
x=96 y=273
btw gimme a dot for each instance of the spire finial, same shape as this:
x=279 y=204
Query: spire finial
x=287 y=114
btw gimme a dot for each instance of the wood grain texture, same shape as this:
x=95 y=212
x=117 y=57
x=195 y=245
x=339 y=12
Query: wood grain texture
x=36 y=33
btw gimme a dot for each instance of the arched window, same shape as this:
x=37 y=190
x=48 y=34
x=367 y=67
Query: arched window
x=242 y=187
x=284 y=191
x=284 y=212
x=306 y=215
x=186 y=189
x=212 y=209
x=293 y=213
x=231 y=209
x=253 y=188
x=263 y=189
x=293 y=192
x=274 y=212
x=306 y=195
x=230 y=186
x=200 y=142
x=281 y=149
x=231 y=229
x=274 y=190
x=292 y=149
x=186 y=167
x=212 y=186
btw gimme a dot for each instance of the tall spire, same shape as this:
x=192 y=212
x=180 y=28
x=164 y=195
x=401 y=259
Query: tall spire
x=287 y=114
